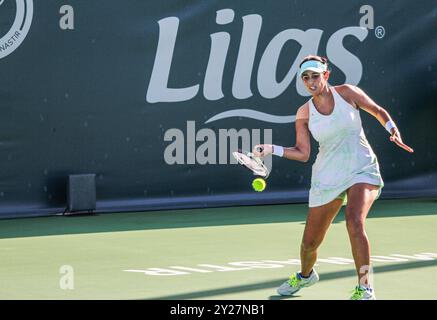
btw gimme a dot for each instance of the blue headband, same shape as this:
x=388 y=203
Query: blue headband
x=313 y=65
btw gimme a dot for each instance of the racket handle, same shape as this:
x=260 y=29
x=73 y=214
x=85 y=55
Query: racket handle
x=259 y=149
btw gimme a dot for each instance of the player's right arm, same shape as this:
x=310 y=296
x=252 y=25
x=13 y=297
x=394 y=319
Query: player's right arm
x=302 y=149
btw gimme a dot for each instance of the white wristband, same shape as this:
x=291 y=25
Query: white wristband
x=278 y=150
x=389 y=125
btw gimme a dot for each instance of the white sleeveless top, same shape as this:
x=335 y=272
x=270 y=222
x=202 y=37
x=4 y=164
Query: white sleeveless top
x=345 y=156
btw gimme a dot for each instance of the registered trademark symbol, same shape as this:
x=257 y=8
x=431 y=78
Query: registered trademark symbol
x=379 y=32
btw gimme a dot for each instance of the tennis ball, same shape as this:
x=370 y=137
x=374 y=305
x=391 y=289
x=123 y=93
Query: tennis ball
x=259 y=184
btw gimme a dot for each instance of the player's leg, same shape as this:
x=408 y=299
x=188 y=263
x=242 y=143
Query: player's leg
x=318 y=221
x=360 y=199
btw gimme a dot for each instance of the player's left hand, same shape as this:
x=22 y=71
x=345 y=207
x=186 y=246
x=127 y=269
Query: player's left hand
x=396 y=138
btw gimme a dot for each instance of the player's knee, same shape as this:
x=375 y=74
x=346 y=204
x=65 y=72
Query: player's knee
x=308 y=245
x=355 y=226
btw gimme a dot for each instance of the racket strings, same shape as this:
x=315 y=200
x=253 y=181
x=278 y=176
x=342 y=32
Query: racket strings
x=253 y=163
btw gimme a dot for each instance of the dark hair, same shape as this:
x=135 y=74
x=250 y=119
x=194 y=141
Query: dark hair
x=317 y=58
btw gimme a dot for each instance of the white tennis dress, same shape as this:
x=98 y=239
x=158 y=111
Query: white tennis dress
x=345 y=156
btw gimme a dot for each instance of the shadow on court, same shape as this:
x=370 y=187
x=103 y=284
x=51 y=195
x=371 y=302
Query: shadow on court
x=273 y=284
x=260 y=214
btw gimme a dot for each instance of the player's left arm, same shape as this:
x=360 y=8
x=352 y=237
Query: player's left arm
x=361 y=100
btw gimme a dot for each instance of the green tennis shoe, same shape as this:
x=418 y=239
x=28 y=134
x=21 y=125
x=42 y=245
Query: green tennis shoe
x=297 y=282
x=363 y=293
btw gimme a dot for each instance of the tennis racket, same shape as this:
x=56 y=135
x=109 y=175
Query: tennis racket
x=254 y=164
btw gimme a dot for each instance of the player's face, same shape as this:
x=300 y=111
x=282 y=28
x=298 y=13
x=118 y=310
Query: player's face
x=313 y=81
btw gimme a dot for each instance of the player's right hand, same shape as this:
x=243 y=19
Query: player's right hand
x=262 y=150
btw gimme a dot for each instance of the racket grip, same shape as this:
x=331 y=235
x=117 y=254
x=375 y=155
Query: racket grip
x=259 y=149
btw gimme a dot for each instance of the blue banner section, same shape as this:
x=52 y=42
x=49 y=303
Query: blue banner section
x=153 y=96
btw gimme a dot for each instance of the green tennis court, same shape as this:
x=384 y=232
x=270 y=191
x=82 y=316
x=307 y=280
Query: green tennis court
x=224 y=253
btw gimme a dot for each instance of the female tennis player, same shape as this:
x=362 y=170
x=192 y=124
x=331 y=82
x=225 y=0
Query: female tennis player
x=345 y=170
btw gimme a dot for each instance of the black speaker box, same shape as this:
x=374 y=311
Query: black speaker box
x=81 y=192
